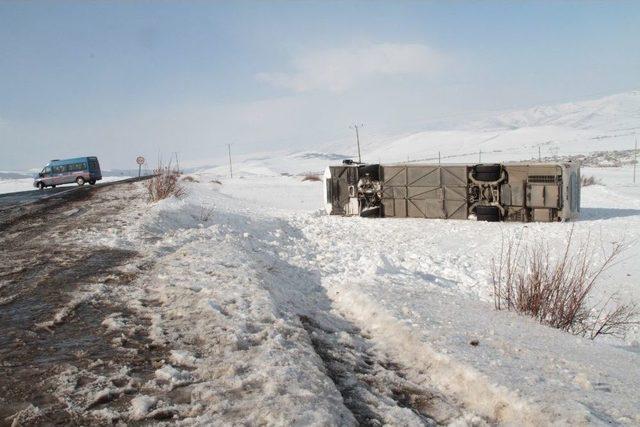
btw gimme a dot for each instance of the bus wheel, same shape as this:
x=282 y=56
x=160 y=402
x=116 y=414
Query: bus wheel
x=487 y=213
x=92 y=182
x=41 y=185
x=53 y=186
x=487 y=173
x=80 y=180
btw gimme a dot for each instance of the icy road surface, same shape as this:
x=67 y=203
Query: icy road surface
x=261 y=309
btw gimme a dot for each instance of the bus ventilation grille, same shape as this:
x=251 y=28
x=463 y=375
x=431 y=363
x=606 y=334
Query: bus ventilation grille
x=543 y=178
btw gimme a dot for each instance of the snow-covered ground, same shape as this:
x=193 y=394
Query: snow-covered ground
x=251 y=275
x=273 y=312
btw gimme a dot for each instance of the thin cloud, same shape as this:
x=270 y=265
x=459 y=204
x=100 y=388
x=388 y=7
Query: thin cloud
x=337 y=70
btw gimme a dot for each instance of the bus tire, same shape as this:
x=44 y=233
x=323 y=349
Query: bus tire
x=92 y=182
x=53 y=186
x=80 y=180
x=41 y=185
x=488 y=213
x=487 y=173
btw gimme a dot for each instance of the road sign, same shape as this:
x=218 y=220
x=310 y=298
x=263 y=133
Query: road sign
x=140 y=162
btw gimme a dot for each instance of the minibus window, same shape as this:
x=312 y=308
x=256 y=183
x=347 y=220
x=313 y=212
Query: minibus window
x=75 y=167
x=59 y=169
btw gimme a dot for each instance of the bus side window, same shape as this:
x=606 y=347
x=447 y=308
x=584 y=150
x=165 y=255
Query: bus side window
x=59 y=169
x=46 y=171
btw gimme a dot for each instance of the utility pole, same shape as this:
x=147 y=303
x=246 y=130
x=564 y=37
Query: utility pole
x=635 y=159
x=480 y=156
x=438 y=158
x=358 y=140
x=177 y=161
x=539 y=153
x=230 y=166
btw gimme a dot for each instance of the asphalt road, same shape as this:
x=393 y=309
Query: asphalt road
x=45 y=271
x=10 y=200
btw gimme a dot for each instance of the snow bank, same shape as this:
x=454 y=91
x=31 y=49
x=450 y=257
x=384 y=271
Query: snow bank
x=231 y=290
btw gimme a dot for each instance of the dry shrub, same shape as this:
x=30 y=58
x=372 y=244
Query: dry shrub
x=165 y=183
x=556 y=291
x=590 y=180
x=189 y=178
x=215 y=181
x=311 y=178
x=205 y=213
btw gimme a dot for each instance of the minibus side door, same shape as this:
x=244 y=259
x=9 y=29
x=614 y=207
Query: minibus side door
x=57 y=174
x=68 y=174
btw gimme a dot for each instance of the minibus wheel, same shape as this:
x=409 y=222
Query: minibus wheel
x=80 y=180
x=41 y=185
x=92 y=182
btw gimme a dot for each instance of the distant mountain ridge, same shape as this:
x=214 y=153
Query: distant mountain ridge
x=566 y=129
x=608 y=123
x=614 y=111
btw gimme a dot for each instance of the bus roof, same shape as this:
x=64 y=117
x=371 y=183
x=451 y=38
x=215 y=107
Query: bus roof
x=69 y=161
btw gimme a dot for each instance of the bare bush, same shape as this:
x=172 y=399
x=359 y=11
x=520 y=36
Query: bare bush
x=189 y=178
x=215 y=181
x=556 y=291
x=205 y=213
x=165 y=183
x=588 y=180
x=311 y=178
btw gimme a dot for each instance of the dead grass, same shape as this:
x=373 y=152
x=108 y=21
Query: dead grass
x=164 y=184
x=189 y=178
x=590 y=180
x=526 y=279
x=215 y=181
x=311 y=178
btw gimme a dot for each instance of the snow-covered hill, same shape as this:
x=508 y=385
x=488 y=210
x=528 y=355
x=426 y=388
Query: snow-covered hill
x=604 y=124
x=615 y=112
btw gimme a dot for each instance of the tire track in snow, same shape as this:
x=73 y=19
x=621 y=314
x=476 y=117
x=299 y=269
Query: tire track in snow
x=473 y=391
x=253 y=254
x=371 y=388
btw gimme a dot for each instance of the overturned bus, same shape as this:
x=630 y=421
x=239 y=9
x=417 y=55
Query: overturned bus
x=486 y=192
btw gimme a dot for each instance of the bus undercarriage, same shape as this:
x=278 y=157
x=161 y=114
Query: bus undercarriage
x=486 y=192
